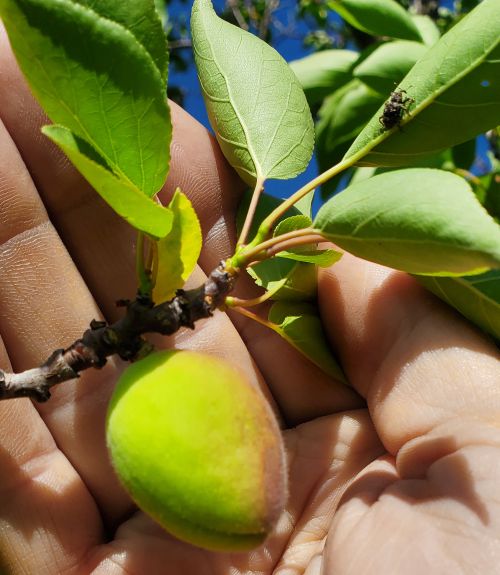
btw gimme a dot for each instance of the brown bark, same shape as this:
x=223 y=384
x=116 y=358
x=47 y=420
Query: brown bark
x=123 y=338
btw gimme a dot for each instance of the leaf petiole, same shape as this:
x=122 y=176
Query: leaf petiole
x=255 y=317
x=233 y=302
x=259 y=187
x=146 y=264
x=270 y=247
x=271 y=219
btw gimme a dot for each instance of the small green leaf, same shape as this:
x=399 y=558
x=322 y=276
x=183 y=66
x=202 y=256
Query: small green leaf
x=179 y=251
x=323 y=72
x=304 y=205
x=456 y=91
x=299 y=324
x=380 y=18
x=142 y=19
x=300 y=284
x=255 y=103
x=301 y=278
x=418 y=220
x=387 y=65
x=291 y=224
x=93 y=76
x=476 y=297
x=130 y=203
x=321 y=258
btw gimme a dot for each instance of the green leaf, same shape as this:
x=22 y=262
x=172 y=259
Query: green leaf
x=418 y=220
x=292 y=223
x=456 y=92
x=321 y=258
x=129 y=202
x=142 y=19
x=304 y=205
x=379 y=18
x=428 y=30
x=323 y=72
x=341 y=118
x=161 y=8
x=387 y=65
x=92 y=75
x=464 y=154
x=299 y=324
x=492 y=195
x=255 y=103
x=300 y=279
x=476 y=297
x=179 y=251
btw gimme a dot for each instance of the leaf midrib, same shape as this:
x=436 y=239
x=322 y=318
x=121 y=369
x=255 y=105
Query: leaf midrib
x=258 y=168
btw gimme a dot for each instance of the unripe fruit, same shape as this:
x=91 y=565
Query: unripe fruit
x=198 y=449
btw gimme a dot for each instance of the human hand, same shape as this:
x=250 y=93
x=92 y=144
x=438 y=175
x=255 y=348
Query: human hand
x=405 y=485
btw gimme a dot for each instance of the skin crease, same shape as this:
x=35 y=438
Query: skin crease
x=399 y=476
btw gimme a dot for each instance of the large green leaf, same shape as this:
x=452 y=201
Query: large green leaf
x=476 y=297
x=456 y=91
x=92 y=75
x=254 y=101
x=300 y=325
x=179 y=251
x=323 y=72
x=388 y=64
x=418 y=220
x=140 y=17
x=128 y=201
x=377 y=17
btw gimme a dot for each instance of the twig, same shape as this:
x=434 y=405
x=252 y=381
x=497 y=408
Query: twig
x=180 y=43
x=123 y=338
x=238 y=16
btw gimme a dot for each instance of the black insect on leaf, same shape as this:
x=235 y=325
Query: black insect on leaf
x=395 y=109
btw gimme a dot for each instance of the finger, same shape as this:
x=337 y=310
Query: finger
x=417 y=362
x=45 y=304
x=436 y=519
x=41 y=495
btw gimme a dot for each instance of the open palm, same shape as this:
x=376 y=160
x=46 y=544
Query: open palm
x=399 y=476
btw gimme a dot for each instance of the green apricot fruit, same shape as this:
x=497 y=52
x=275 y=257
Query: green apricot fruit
x=198 y=449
